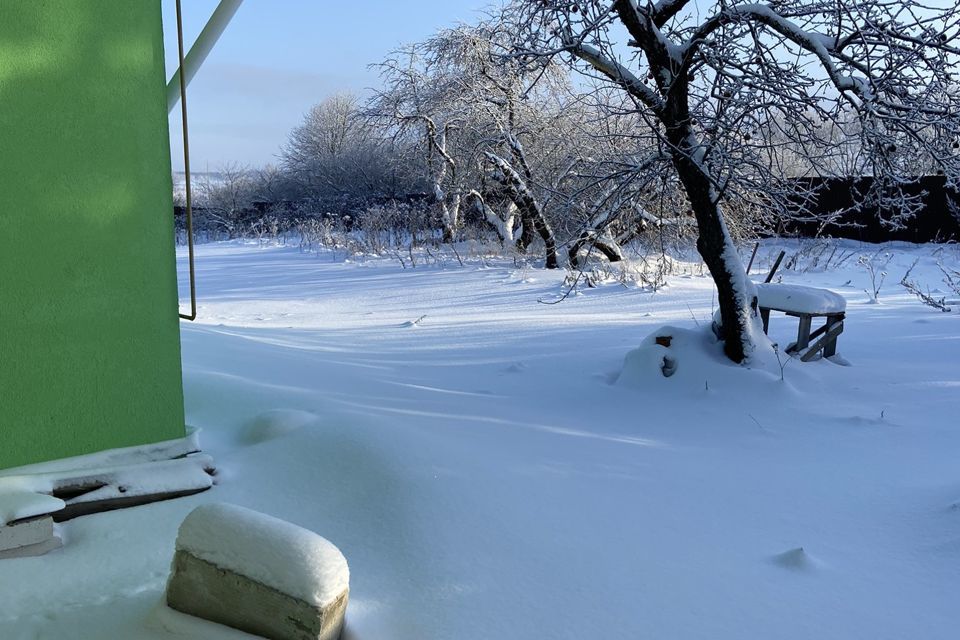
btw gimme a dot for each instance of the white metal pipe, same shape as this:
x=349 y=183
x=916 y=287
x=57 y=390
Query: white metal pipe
x=201 y=48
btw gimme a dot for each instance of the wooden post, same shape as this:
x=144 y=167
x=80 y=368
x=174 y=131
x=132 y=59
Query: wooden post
x=776 y=265
x=752 y=256
x=803 y=333
x=830 y=349
x=765 y=316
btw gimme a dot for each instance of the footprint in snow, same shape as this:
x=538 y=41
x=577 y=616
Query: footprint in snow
x=275 y=424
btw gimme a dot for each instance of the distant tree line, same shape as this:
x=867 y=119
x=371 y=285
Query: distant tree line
x=571 y=130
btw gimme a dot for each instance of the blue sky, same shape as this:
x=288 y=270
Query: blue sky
x=279 y=57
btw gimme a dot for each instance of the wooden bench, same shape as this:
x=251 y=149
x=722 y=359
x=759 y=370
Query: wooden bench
x=805 y=303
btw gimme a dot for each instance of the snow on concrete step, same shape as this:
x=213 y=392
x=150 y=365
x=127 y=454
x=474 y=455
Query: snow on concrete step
x=18 y=505
x=258 y=574
x=32 y=550
x=30 y=537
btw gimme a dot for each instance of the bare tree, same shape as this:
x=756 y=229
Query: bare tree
x=225 y=197
x=337 y=159
x=475 y=113
x=509 y=103
x=419 y=101
x=724 y=87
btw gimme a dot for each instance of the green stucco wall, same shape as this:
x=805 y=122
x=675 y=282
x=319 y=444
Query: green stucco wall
x=89 y=335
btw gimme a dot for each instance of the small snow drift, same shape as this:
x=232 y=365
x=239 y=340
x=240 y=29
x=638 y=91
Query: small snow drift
x=277 y=423
x=684 y=359
x=259 y=574
x=795 y=560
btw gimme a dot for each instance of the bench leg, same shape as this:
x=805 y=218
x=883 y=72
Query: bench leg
x=831 y=347
x=829 y=336
x=803 y=334
x=765 y=316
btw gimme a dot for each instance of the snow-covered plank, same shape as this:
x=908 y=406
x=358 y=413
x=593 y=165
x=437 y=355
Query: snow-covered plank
x=73 y=493
x=142 y=484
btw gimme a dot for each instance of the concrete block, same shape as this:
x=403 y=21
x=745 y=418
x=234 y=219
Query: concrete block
x=31 y=550
x=26 y=533
x=258 y=574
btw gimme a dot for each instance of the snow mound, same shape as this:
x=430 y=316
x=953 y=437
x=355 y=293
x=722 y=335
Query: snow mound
x=277 y=423
x=796 y=560
x=676 y=358
x=273 y=552
x=799 y=299
x=516 y=367
x=17 y=505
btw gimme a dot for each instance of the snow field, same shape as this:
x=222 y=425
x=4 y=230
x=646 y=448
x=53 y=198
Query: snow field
x=486 y=475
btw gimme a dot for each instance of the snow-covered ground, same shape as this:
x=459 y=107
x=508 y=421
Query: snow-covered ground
x=486 y=477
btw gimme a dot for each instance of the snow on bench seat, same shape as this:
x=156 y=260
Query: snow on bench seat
x=258 y=574
x=793 y=298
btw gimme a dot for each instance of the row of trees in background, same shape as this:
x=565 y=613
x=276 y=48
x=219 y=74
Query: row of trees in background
x=461 y=139
x=574 y=127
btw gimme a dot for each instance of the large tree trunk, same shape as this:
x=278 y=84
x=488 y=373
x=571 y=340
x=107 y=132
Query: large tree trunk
x=503 y=224
x=451 y=218
x=527 y=235
x=449 y=211
x=736 y=295
x=529 y=208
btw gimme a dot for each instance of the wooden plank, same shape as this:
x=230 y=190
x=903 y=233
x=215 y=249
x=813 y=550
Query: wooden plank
x=752 y=257
x=67 y=485
x=827 y=333
x=77 y=509
x=776 y=265
x=141 y=484
x=820 y=330
x=803 y=333
x=88 y=491
x=830 y=336
x=830 y=349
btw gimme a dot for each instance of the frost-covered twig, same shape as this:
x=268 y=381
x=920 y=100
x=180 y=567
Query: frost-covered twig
x=951 y=278
x=925 y=298
x=780 y=361
x=877 y=274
